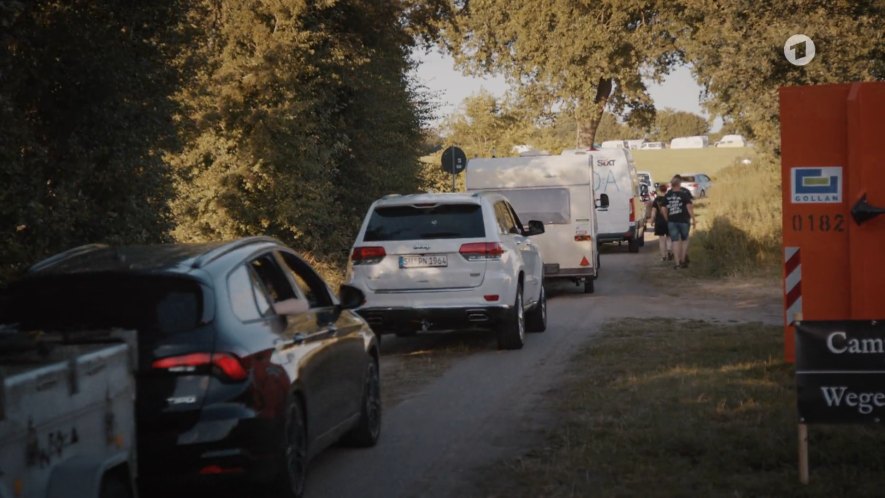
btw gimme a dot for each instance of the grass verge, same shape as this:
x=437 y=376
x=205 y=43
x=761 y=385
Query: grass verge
x=686 y=408
x=739 y=226
x=663 y=164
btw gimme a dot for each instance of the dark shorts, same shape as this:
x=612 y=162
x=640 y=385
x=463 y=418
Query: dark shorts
x=678 y=231
x=661 y=228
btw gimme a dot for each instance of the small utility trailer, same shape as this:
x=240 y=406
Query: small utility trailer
x=67 y=426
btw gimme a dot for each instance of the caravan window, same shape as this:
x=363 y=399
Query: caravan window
x=549 y=205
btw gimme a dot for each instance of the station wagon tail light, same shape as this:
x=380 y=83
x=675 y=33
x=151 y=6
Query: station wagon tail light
x=228 y=364
x=477 y=251
x=368 y=255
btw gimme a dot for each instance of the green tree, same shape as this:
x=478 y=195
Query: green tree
x=670 y=124
x=484 y=127
x=299 y=115
x=736 y=51
x=85 y=116
x=583 y=56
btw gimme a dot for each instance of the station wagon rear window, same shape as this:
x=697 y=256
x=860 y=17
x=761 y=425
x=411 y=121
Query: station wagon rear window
x=548 y=205
x=419 y=222
x=157 y=305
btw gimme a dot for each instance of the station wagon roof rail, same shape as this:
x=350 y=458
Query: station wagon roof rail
x=230 y=247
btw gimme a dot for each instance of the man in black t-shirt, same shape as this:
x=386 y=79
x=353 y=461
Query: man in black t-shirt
x=679 y=213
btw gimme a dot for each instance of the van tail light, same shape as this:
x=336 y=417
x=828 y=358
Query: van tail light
x=368 y=255
x=226 y=363
x=632 y=209
x=583 y=238
x=478 y=251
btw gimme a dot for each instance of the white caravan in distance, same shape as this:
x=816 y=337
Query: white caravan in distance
x=698 y=142
x=557 y=190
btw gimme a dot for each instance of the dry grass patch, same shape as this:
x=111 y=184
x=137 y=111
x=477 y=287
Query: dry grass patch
x=686 y=408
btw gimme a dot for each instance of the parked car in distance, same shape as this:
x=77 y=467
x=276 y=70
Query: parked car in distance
x=652 y=146
x=448 y=261
x=646 y=178
x=248 y=365
x=698 y=184
x=615 y=144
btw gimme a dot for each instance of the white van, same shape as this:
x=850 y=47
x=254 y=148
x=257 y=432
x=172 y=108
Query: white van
x=614 y=174
x=557 y=190
x=614 y=144
x=698 y=142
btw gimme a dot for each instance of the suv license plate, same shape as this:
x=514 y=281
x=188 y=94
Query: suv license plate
x=423 y=261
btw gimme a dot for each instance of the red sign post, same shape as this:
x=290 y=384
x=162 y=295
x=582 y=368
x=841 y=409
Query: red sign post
x=833 y=173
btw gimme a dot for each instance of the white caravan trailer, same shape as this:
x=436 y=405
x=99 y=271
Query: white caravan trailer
x=698 y=142
x=732 y=141
x=614 y=174
x=557 y=190
x=614 y=144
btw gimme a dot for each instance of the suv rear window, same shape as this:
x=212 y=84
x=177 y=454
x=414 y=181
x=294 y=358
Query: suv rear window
x=157 y=305
x=437 y=221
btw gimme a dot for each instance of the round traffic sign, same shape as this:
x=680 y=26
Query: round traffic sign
x=454 y=160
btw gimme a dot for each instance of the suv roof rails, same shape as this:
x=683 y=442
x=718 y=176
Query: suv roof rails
x=218 y=252
x=58 y=258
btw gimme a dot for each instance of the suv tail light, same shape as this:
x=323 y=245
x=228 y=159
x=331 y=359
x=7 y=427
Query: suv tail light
x=477 y=251
x=228 y=364
x=369 y=255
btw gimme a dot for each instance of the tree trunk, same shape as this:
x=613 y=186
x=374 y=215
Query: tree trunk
x=589 y=114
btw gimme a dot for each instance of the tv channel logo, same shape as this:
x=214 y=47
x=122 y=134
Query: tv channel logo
x=816 y=185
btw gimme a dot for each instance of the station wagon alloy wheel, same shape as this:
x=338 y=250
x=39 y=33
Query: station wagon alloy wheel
x=368 y=429
x=295 y=453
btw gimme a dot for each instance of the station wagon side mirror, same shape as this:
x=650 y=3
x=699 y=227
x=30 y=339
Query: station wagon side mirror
x=351 y=297
x=603 y=201
x=535 y=228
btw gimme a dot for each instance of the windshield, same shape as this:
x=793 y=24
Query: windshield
x=437 y=221
x=160 y=305
x=548 y=205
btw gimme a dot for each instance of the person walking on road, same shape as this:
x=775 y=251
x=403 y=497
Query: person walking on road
x=661 y=228
x=678 y=211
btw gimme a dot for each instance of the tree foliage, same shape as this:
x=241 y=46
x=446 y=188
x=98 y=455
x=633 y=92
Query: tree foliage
x=581 y=55
x=670 y=124
x=484 y=126
x=301 y=114
x=736 y=51
x=85 y=115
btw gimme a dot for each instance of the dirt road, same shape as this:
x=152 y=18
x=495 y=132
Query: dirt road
x=478 y=404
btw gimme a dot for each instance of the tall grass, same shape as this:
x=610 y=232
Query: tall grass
x=739 y=227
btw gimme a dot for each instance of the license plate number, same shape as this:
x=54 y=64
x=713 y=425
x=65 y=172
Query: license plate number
x=423 y=261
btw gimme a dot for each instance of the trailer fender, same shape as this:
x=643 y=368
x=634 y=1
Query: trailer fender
x=82 y=475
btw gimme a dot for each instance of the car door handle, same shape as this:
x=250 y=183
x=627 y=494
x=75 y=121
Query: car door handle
x=296 y=339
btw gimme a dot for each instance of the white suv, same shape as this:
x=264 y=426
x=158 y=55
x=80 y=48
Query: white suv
x=446 y=261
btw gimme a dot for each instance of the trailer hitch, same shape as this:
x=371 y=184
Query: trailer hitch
x=863 y=211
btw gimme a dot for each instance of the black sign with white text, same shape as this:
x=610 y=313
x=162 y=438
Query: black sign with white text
x=840 y=371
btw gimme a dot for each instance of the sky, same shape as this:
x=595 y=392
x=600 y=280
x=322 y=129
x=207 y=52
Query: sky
x=449 y=87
